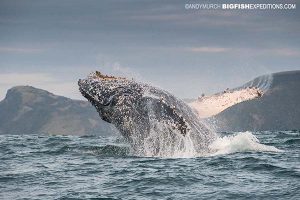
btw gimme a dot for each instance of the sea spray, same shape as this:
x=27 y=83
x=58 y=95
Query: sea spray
x=162 y=140
x=170 y=146
x=239 y=142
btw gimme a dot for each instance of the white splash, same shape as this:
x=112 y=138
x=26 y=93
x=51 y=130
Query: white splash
x=240 y=142
x=171 y=144
x=163 y=141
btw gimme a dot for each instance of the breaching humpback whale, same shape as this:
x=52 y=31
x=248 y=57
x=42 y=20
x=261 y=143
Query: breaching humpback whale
x=148 y=117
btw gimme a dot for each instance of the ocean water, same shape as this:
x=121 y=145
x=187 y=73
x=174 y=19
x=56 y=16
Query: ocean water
x=258 y=165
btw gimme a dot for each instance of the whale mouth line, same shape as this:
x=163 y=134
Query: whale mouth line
x=93 y=100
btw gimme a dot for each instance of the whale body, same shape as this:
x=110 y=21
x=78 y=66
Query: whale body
x=151 y=119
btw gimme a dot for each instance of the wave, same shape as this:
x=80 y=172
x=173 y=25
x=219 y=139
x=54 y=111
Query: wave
x=109 y=150
x=292 y=141
x=240 y=142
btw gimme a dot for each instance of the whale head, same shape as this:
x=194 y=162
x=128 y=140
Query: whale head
x=113 y=97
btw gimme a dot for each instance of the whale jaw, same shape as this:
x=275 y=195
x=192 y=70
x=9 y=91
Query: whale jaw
x=94 y=90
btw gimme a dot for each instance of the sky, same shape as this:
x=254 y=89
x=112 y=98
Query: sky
x=51 y=44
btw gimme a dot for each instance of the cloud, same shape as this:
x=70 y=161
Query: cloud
x=285 y=52
x=38 y=80
x=24 y=78
x=19 y=50
x=208 y=49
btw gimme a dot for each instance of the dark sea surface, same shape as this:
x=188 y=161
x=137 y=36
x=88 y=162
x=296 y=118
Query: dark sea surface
x=94 y=167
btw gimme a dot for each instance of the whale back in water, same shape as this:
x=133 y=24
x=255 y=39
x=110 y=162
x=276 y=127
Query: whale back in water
x=152 y=119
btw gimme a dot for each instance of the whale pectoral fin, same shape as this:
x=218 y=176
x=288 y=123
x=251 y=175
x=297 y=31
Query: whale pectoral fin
x=168 y=115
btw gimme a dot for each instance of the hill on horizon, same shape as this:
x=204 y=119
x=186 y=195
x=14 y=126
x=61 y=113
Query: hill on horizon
x=277 y=109
x=28 y=110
